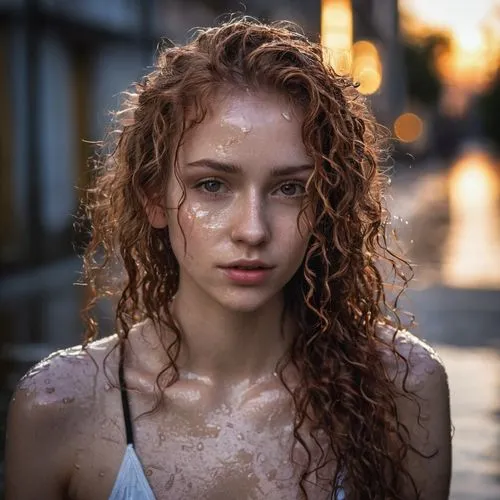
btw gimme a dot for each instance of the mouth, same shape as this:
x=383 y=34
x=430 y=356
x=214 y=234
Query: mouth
x=248 y=265
x=247 y=274
x=248 y=268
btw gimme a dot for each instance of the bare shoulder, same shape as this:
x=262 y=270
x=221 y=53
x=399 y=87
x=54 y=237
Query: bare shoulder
x=48 y=419
x=411 y=361
x=59 y=391
x=65 y=376
x=417 y=369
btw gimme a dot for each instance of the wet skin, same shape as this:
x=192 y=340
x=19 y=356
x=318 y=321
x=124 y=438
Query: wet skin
x=225 y=429
x=66 y=430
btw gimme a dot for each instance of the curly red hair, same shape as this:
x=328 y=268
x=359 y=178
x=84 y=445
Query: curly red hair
x=337 y=297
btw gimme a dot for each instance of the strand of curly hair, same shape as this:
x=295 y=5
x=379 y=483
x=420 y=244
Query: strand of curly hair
x=337 y=297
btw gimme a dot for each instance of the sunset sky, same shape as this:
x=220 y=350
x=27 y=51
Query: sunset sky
x=474 y=27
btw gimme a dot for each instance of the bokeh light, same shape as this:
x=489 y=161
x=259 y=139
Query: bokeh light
x=366 y=67
x=474 y=53
x=336 y=33
x=408 y=127
x=471 y=254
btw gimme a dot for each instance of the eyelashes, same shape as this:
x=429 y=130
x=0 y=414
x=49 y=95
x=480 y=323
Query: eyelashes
x=296 y=187
x=208 y=185
x=214 y=188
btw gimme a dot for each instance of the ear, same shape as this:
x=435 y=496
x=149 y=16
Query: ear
x=156 y=214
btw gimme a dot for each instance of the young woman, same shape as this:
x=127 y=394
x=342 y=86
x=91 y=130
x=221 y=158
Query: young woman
x=256 y=355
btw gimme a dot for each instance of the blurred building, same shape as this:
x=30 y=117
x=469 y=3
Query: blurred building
x=378 y=23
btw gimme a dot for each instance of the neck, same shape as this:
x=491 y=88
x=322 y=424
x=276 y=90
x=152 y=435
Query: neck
x=228 y=346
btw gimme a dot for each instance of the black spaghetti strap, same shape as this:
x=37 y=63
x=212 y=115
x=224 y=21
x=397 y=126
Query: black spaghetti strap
x=125 y=401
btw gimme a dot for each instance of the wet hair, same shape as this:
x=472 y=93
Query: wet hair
x=337 y=297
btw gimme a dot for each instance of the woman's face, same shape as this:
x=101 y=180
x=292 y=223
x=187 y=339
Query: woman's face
x=244 y=169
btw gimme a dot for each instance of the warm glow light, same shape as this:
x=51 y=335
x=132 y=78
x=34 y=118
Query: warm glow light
x=336 y=33
x=468 y=64
x=471 y=40
x=474 y=54
x=473 y=248
x=369 y=80
x=366 y=67
x=471 y=180
x=408 y=127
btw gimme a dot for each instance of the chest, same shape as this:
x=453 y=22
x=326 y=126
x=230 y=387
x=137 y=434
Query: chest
x=190 y=451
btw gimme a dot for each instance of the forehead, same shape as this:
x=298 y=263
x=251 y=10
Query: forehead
x=256 y=129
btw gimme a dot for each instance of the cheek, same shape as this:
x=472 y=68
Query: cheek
x=299 y=229
x=196 y=220
x=198 y=226
x=294 y=239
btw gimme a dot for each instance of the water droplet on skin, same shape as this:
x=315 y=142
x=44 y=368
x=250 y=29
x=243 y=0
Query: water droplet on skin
x=271 y=475
x=149 y=472
x=412 y=241
x=107 y=386
x=240 y=437
x=49 y=390
x=430 y=369
x=286 y=116
x=77 y=466
x=101 y=474
x=170 y=482
x=218 y=427
x=200 y=447
x=68 y=400
x=417 y=385
x=162 y=436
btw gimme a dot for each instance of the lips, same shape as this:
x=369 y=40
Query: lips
x=247 y=273
x=247 y=268
x=247 y=265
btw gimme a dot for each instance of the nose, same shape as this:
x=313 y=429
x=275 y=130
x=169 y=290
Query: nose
x=250 y=222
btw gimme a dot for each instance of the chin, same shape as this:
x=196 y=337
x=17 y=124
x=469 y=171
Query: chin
x=246 y=300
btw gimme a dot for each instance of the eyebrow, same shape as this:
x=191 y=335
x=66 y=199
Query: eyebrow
x=231 y=168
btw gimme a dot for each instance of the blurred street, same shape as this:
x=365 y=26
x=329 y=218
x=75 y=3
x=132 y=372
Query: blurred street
x=461 y=323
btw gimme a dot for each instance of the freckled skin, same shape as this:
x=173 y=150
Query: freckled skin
x=225 y=430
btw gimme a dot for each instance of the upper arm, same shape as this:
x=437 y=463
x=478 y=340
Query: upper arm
x=40 y=429
x=32 y=459
x=427 y=418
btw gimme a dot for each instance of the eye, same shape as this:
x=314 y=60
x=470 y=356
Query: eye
x=212 y=186
x=292 y=189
